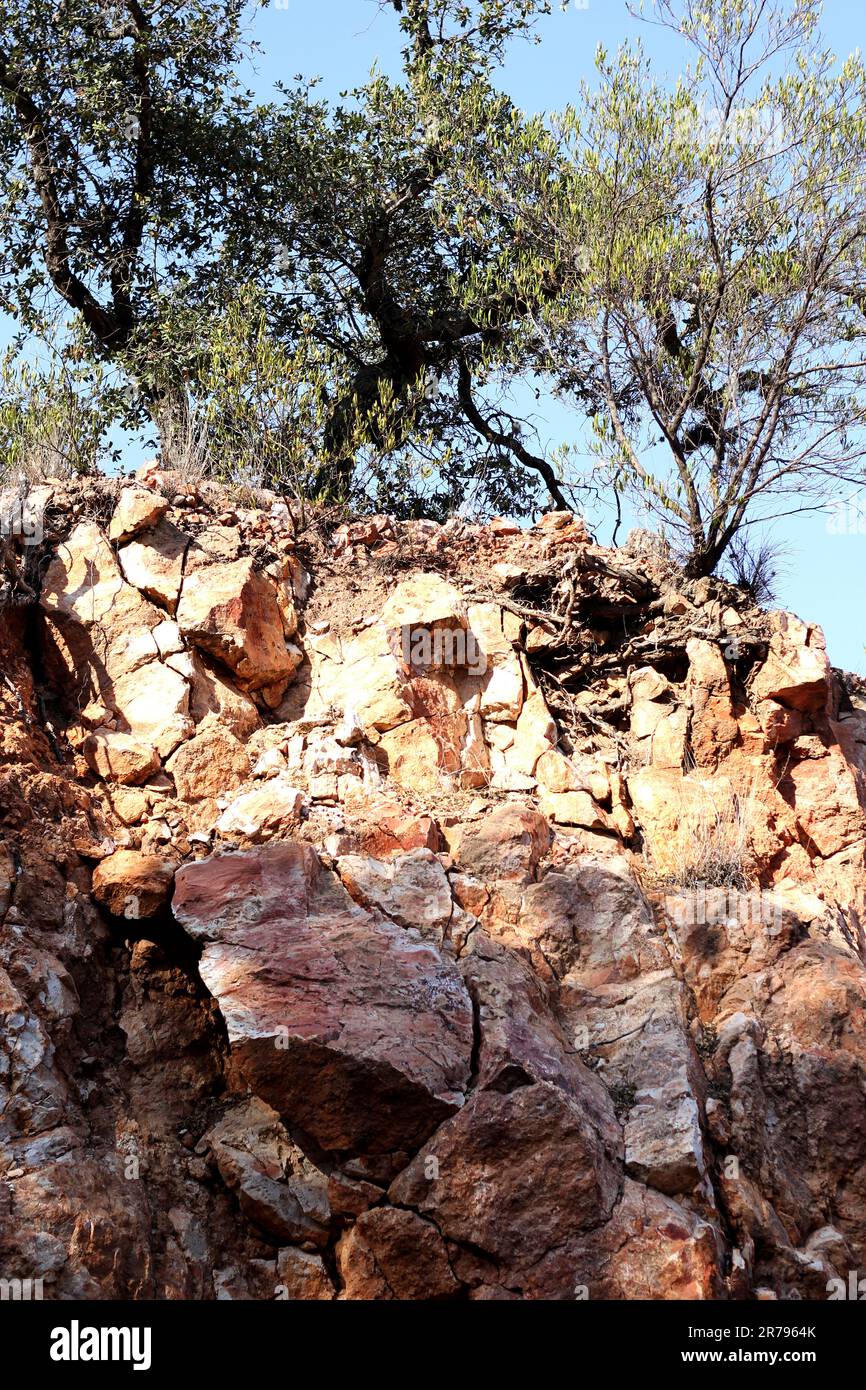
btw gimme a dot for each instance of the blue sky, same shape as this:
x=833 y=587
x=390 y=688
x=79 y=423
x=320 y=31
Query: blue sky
x=340 y=40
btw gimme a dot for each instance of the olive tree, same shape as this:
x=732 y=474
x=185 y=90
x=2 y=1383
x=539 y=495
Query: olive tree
x=708 y=241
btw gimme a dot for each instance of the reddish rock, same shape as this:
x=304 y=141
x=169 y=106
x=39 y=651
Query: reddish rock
x=652 y=1248
x=352 y=1030
x=714 y=730
x=411 y=889
x=277 y=1187
x=589 y=917
x=391 y=1254
x=520 y=1039
x=485 y=1181
x=230 y=611
x=588 y=1075
x=396 y=832
x=302 y=1275
x=829 y=802
x=508 y=843
x=780 y=725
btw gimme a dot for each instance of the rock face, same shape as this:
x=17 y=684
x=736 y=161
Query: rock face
x=518 y=1216
x=344 y=955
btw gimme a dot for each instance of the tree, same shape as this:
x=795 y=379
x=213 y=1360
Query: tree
x=145 y=192
x=709 y=243
x=126 y=150
x=370 y=239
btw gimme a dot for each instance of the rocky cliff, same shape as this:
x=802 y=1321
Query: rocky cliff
x=410 y=912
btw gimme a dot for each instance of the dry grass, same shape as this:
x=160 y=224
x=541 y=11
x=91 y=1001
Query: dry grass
x=711 y=846
x=183 y=444
x=52 y=452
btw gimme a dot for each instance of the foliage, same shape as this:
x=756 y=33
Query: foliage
x=755 y=568
x=367 y=243
x=340 y=299
x=706 y=243
x=51 y=423
x=126 y=145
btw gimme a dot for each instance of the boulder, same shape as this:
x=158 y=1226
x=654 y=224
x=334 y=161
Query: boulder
x=433 y=754
x=98 y=628
x=422 y=617
x=412 y=889
x=508 y=843
x=351 y=1029
x=302 y=1275
x=485 y=1182
x=652 y=1248
x=117 y=757
x=520 y=1039
x=796 y=671
x=213 y=699
x=133 y=885
x=153 y=701
x=277 y=1186
x=534 y=735
x=573 y=808
x=393 y=1254
x=501 y=685
x=779 y=724
x=588 y=920
x=208 y=765
x=714 y=730
x=154 y=563
x=361 y=677
x=137 y=509
x=829 y=802
x=266 y=811
x=230 y=610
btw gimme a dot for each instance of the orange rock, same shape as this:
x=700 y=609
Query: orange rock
x=137 y=509
x=796 y=672
x=117 y=757
x=230 y=610
x=133 y=885
x=208 y=765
